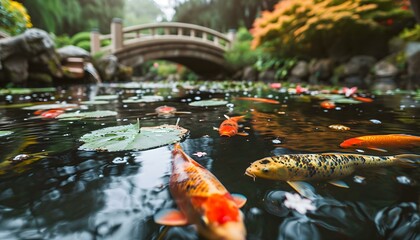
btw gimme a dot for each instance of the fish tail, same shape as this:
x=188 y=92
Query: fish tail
x=237 y=118
x=408 y=160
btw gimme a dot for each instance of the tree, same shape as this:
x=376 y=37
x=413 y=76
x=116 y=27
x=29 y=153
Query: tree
x=139 y=12
x=13 y=17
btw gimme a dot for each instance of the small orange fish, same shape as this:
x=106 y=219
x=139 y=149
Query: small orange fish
x=52 y=113
x=229 y=127
x=327 y=104
x=202 y=200
x=263 y=100
x=382 y=142
x=363 y=99
x=166 y=111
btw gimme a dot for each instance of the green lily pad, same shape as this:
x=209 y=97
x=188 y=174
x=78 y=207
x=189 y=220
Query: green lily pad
x=25 y=90
x=209 y=103
x=144 y=99
x=50 y=106
x=346 y=101
x=5 y=133
x=99 y=102
x=106 y=97
x=80 y=115
x=332 y=97
x=131 y=137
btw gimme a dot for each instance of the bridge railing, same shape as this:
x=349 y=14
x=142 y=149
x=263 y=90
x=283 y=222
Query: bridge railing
x=121 y=37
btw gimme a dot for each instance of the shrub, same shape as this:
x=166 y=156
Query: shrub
x=61 y=41
x=241 y=54
x=80 y=37
x=330 y=28
x=85 y=45
x=14 y=18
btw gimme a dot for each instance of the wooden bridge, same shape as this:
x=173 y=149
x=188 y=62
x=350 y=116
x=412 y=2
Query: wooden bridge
x=199 y=48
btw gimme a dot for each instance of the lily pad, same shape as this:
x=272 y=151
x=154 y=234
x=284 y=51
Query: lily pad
x=50 y=106
x=144 y=99
x=80 y=115
x=5 y=133
x=131 y=137
x=106 y=97
x=99 y=102
x=209 y=103
x=346 y=101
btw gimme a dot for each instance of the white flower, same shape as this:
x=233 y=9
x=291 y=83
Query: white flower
x=296 y=202
x=200 y=154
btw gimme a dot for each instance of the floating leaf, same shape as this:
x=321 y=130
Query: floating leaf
x=346 y=101
x=208 y=103
x=145 y=99
x=131 y=137
x=106 y=97
x=99 y=102
x=333 y=97
x=25 y=90
x=50 y=106
x=5 y=133
x=80 y=115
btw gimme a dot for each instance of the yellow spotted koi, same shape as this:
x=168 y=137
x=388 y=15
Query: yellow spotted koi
x=326 y=166
x=202 y=200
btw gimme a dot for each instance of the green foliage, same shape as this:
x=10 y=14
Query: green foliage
x=330 y=28
x=13 y=17
x=85 y=45
x=241 y=54
x=139 y=12
x=411 y=34
x=73 y=16
x=61 y=41
x=282 y=66
x=80 y=37
x=221 y=15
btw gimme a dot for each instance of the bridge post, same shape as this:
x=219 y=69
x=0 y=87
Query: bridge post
x=95 y=42
x=116 y=34
x=231 y=35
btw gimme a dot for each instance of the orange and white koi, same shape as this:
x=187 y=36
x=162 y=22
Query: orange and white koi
x=166 y=111
x=52 y=113
x=229 y=127
x=382 y=142
x=202 y=200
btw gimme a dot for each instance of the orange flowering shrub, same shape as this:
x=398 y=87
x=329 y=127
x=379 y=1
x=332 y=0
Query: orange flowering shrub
x=329 y=28
x=14 y=18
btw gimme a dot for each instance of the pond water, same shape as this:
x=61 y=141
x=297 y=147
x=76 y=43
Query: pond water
x=62 y=192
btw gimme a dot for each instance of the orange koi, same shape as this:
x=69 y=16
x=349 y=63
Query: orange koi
x=166 y=111
x=229 y=127
x=379 y=142
x=327 y=104
x=263 y=100
x=52 y=113
x=202 y=200
x=363 y=99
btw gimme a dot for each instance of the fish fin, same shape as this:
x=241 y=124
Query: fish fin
x=408 y=160
x=237 y=118
x=215 y=128
x=239 y=199
x=151 y=114
x=244 y=134
x=226 y=116
x=377 y=149
x=170 y=217
x=303 y=188
x=182 y=112
x=339 y=183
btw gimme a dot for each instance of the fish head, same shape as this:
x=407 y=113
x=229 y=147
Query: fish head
x=221 y=218
x=228 y=129
x=352 y=142
x=268 y=168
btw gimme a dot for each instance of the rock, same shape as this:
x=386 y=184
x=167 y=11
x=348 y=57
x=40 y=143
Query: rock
x=356 y=70
x=300 y=70
x=385 y=69
x=320 y=70
x=413 y=71
x=73 y=51
x=250 y=74
x=108 y=68
x=31 y=51
x=267 y=76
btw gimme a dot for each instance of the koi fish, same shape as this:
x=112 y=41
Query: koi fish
x=52 y=113
x=202 y=200
x=327 y=104
x=379 y=142
x=229 y=127
x=362 y=99
x=294 y=168
x=166 y=111
x=263 y=100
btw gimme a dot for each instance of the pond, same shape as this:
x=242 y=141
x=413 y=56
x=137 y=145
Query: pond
x=59 y=191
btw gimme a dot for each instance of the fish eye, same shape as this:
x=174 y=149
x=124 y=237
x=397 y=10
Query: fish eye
x=265 y=170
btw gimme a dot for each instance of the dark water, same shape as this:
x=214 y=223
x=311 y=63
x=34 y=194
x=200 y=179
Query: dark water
x=66 y=193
